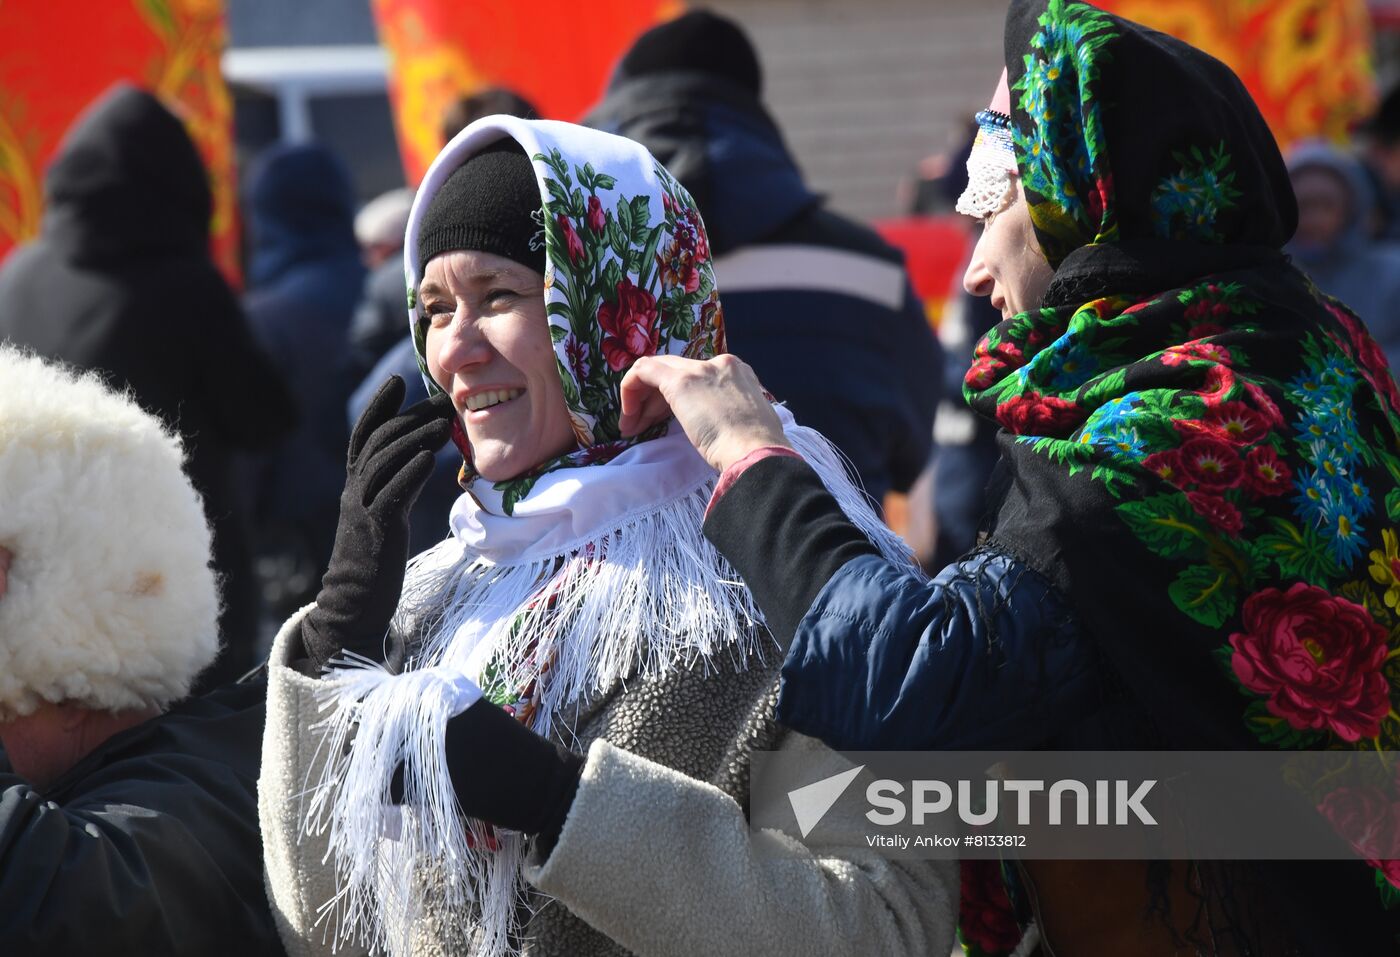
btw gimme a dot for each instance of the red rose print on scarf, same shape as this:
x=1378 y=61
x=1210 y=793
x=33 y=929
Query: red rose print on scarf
x=1167 y=466
x=1317 y=658
x=1196 y=351
x=982 y=374
x=1369 y=820
x=630 y=329
x=1211 y=463
x=597 y=219
x=1036 y=414
x=1265 y=473
x=1223 y=516
x=571 y=241
x=1220 y=382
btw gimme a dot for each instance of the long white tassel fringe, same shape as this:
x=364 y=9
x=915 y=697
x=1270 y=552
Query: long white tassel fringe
x=644 y=598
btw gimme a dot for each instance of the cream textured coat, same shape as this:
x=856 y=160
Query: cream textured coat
x=656 y=857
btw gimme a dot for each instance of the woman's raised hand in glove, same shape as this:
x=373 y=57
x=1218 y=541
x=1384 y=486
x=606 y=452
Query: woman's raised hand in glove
x=389 y=462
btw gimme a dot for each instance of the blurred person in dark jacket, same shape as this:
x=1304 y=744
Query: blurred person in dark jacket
x=1334 y=245
x=128 y=818
x=378 y=323
x=805 y=290
x=305 y=278
x=120 y=280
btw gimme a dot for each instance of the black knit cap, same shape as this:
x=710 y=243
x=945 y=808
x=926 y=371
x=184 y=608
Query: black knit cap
x=699 y=42
x=491 y=203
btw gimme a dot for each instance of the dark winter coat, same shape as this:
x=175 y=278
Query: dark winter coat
x=149 y=845
x=120 y=280
x=305 y=279
x=819 y=305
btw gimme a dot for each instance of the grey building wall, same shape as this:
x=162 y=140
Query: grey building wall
x=865 y=89
x=296 y=23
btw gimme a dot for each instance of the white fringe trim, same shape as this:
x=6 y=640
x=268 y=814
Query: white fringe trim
x=650 y=596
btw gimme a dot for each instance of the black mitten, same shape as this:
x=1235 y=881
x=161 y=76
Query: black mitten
x=390 y=460
x=507 y=775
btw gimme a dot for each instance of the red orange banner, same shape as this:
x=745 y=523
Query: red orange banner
x=556 y=53
x=1307 y=63
x=170 y=47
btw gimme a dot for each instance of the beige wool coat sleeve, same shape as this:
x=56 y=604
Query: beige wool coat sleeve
x=666 y=866
x=299 y=879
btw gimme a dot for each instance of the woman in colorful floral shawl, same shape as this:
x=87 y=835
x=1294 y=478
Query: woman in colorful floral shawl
x=561 y=766
x=1195 y=545
x=1185 y=401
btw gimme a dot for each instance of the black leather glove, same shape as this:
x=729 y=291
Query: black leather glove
x=507 y=775
x=390 y=459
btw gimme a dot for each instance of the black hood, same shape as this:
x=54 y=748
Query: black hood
x=127 y=184
x=718 y=140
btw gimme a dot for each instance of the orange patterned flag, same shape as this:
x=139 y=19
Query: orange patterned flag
x=440 y=50
x=1307 y=63
x=60 y=55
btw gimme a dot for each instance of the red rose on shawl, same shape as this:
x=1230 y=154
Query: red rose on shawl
x=1204 y=330
x=1036 y=414
x=1006 y=350
x=982 y=374
x=985 y=916
x=597 y=219
x=1211 y=463
x=1236 y=422
x=1317 y=657
x=571 y=241
x=1220 y=382
x=1222 y=515
x=630 y=329
x=1194 y=351
x=1265 y=473
x=1368 y=820
x=1166 y=466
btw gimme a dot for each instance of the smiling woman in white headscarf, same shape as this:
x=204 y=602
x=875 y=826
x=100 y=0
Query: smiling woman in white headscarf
x=576 y=679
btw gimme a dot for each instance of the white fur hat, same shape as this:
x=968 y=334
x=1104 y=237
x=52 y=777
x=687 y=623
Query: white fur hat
x=111 y=602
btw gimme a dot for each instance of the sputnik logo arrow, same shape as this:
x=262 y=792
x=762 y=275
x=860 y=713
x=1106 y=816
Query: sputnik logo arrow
x=810 y=803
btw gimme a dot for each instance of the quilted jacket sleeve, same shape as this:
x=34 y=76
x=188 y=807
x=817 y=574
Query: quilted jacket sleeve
x=986 y=655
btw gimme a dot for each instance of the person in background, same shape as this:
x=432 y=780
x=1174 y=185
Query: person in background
x=1334 y=243
x=949 y=501
x=305 y=278
x=128 y=818
x=819 y=304
x=1381 y=138
x=378 y=323
x=120 y=280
